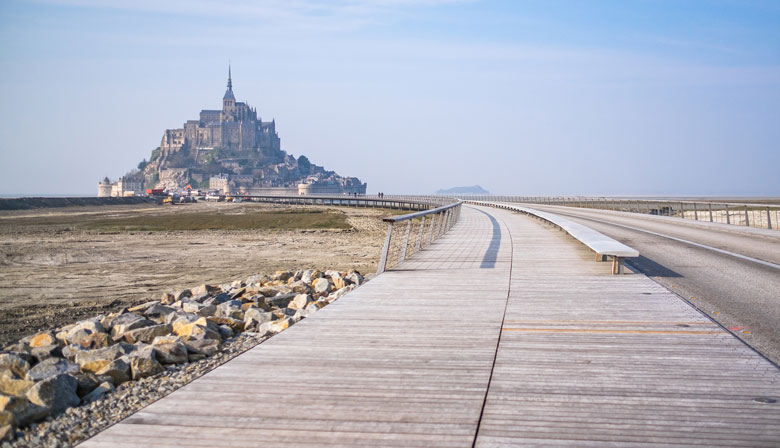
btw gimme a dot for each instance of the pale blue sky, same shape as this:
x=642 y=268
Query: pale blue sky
x=549 y=97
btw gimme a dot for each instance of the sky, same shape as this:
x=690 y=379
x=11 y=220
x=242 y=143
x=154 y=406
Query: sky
x=548 y=97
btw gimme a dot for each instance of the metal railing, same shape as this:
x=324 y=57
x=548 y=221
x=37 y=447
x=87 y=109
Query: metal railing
x=764 y=216
x=391 y=202
x=421 y=229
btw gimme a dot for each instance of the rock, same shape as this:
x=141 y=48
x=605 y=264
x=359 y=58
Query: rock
x=309 y=275
x=236 y=294
x=118 y=370
x=355 y=278
x=158 y=311
x=283 y=275
x=78 y=336
x=319 y=304
x=270 y=328
x=85 y=382
x=279 y=301
x=321 y=286
x=14 y=387
x=255 y=317
x=147 y=334
x=205 y=289
x=183 y=294
x=225 y=331
x=43 y=339
x=338 y=281
x=46 y=351
x=98 y=392
x=301 y=287
x=143 y=363
x=247 y=305
x=200 y=329
x=126 y=322
x=234 y=324
x=181 y=316
x=69 y=351
x=206 y=347
x=258 y=279
x=15 y=363
x=300 y=301
x=143 y=307
x=269 y=291
x=170 y=352
x=217 y=300
x=57 y=393
x=96 y=340
x=7 y=432
x=231 y=308
x=51 y=367
x=90 y=325
x=95 y=360
x=24 y=412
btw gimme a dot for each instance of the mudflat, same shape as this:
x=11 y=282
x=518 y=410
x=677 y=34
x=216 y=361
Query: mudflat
x=59 y=265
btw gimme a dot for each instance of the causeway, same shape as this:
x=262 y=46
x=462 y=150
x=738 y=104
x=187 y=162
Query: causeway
x=504 y=332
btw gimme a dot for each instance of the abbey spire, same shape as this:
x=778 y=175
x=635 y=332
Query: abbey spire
x=229 y=91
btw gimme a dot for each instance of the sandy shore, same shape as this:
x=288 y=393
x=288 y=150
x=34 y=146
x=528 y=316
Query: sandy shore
x=54 y=269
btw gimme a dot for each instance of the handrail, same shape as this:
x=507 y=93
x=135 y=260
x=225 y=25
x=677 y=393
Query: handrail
x=447 y=217
x=603 y=245
x=758 y=215
x=422 y=213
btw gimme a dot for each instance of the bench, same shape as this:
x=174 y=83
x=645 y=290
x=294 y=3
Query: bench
x=604 y=246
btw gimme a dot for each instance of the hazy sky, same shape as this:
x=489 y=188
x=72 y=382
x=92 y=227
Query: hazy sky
x=528 y=97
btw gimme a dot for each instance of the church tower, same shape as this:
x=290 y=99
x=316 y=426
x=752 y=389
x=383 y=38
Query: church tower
x=229 y=101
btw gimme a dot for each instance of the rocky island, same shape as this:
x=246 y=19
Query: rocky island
x=231 y=150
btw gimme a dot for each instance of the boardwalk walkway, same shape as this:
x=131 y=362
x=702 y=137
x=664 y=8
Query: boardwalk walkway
x=581 y=358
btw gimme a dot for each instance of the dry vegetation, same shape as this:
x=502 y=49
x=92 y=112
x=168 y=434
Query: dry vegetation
x=57 y=265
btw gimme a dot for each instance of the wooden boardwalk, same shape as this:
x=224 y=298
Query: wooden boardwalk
x=584 y=358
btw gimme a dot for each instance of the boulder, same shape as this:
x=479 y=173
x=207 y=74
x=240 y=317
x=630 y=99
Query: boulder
x=225 y=331
x=271 y=328
x=279 y=301
x=158 y=311
x=234 y=324
x=126 y=322
x=85 y=382
x=51 y=367
x=95 y=360
x=183 y=294
x=143 y=307
x=180 y=316
x=283 y=275
x=205 y=289
x=236 y=294
x=46 y=351
x=98 y=392
x=231 y=308
x=321 y=286
x=69 y=351
x=170 y=352
x=118 y=370
x=217 y=300
x=206 y=347
x=15 y=363
x=147 y=334
x=257 y=279
x=300 y=301
x=338 y=281
x=43 y=339
x=200 y=329
x=56 y=393
x=269 y=291
x=355 y=277
x=90 y=325
x=255 y=317
x=301 y=287
x=78 y=336
x=24 y=412
x=14 y=387
x=167 y=298
x=94 y=341
x=143 y=363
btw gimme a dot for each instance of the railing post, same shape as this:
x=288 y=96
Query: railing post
x=695 y=212
x=710 y=205
x=768 y=219
x=402 y=257
x=420 y=235
x=383 y=259
x=728 y=218
x=430 y=229
x=682 y=211
x=747 y=220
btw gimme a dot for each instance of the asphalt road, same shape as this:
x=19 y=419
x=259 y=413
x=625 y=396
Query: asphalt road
x=741 y=294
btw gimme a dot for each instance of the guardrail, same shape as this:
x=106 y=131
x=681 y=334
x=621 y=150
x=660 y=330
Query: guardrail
x=766 y=216
x=603 y=245
x=393 y=203
x=401 y=242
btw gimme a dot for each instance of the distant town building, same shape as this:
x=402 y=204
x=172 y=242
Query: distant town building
x=121 y=188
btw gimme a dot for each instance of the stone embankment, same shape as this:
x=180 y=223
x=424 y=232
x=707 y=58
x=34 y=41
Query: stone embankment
x=32 y=203
x=59 y=387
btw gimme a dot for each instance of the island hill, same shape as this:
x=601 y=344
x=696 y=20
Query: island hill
x=231 y=150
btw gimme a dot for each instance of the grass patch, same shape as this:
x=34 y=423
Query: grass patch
x=268 y=220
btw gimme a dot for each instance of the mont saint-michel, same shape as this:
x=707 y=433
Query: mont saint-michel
x=231 y=150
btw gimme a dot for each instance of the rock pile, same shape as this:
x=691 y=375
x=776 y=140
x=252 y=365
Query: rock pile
x=45 y=374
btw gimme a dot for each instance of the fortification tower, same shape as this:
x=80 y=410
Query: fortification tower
x=104 y=188
x=229 y=100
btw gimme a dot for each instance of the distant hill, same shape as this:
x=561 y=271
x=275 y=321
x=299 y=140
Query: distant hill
x=474 y=189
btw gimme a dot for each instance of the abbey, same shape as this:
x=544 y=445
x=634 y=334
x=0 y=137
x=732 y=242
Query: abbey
x=235 y=127
x=231 y=150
